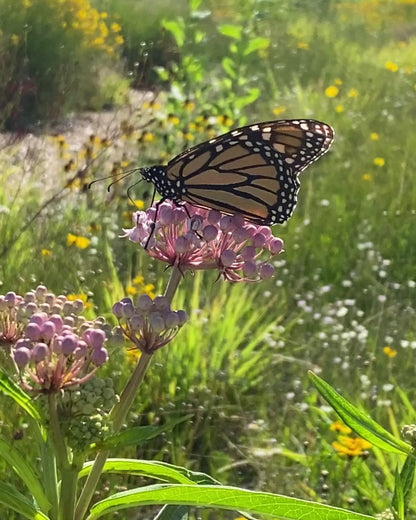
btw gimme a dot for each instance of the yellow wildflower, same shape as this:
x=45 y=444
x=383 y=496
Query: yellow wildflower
x=98 y=41
x=352 y=446
x=353 y=93
x=379 y=161
x=339 y=426
x=188 y=136
x=78 y=241
x=338 y=82
x=130 y=289
x=390 y=65
x=279 y=110
x=139 y=279
x=116 y=27
x=149 y=137
x=138 y=203
x=390 y=352
x=340 y=108
x=332 y=91
x=46 y=252
x=173 y=119
x=119 y=40
x=27 y=4
x=150 y=290
x=374 y=136
x=367 y=177
x=83 y=297
x=303 y=46
x=15 y=39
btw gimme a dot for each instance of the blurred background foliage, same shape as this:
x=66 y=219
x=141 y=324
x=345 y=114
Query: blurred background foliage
x=92 y=89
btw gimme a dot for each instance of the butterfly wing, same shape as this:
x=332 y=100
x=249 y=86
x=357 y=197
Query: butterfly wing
x=252 y=170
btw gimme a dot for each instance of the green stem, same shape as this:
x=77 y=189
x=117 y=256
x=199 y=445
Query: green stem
x=174 y=280
x=50 y=476
x=56 y=434
x=120 y=410
x=118 y=414
x=68 y=472
x=69 y=483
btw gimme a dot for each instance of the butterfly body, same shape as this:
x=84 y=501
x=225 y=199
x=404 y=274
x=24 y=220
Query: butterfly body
x=252 y=170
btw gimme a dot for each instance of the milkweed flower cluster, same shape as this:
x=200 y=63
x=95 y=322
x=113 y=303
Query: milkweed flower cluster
x=52 y=345
x=194 y=238
x=150 y=323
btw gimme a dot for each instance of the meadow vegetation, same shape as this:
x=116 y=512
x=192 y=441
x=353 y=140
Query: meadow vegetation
x=342 y=302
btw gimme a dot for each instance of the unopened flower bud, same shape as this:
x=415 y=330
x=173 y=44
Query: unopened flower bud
x=22 y=357
x=171 y=320
x=209 y=233
x=69 y=344
x=99 y=356
x=181 y=245
x=266 y=271
x=228 y=257
x=144 y=302
x=47 y=330
x=33 y=331
x=182 y=317
x=39 y=352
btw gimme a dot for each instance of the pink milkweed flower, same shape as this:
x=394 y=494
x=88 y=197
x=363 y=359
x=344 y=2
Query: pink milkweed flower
x=193 y=238
x=50 y=343
x=150 y=323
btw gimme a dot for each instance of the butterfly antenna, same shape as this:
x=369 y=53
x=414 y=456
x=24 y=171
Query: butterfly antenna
x=119 y=178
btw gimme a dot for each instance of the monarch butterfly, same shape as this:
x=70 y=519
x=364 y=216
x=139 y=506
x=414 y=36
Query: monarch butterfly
x=252 y=170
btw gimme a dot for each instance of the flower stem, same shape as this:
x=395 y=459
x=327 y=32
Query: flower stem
x=174 y=280
x=120 y=410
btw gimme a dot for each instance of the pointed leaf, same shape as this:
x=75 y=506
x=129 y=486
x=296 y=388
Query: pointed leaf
x=404 y=486
x=10 y=388
x=13 y=457
x=398 y=497
x=140 y=434
x=13 y=499
x=176 y=29
x=250 y=98
x=223 y=497
x=233 y=31
x=229 y=66
x=357 y=420
x=152 y=469
x=256 y=44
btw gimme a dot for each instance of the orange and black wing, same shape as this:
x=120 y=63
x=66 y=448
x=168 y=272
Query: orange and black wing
x=251 y=170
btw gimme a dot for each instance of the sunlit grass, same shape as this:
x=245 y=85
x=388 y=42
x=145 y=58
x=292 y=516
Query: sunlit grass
x=343 y=299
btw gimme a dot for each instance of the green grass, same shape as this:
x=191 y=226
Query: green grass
x=344 y=288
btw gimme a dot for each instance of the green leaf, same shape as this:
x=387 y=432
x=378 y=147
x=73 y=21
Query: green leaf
x=177 y=29
x=13 y=457
x=233 y=31
x=229 y=66
x=250 y=98
x=194 y=5
x=398 y=497
x=357 y=420
x=223 y=497
x=403 y=487
x=173 y=513
x=10 y=388
x=152 y=469
x=256 y=44
x=140 y=434
x=13 y=499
